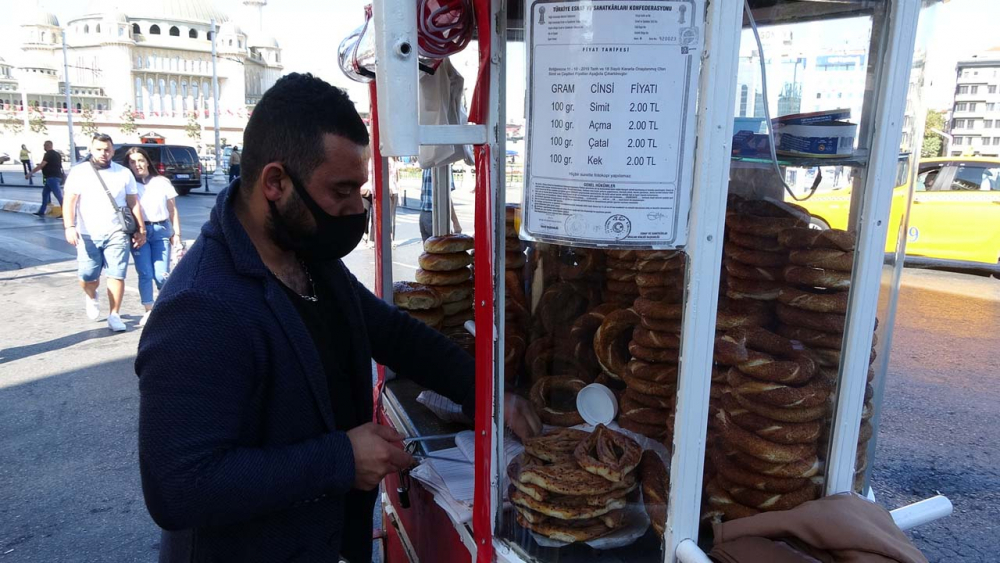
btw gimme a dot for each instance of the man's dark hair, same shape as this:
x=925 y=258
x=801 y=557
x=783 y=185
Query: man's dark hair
x=102 y=137
x=289 y=122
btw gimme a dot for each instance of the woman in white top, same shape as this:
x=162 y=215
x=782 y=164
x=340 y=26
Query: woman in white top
x=163 y=226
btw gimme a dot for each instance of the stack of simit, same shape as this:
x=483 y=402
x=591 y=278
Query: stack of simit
x=444 y=266
x=812 y=310
x=647 y=405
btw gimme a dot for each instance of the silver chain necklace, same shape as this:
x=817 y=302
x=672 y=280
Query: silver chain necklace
x=314 y=298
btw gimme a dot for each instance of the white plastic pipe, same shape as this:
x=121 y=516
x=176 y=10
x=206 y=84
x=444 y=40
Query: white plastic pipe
x=689 y=552
x=919 y=513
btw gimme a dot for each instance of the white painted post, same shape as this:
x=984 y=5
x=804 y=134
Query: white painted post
x=872 y=229
x=716 y=100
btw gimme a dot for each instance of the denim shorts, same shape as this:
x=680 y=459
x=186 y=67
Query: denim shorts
x=108 y=253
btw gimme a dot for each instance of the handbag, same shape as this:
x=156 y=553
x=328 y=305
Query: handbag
x=125 y=217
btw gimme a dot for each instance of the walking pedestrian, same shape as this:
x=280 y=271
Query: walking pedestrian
x=163 y=226
x=256 y=440
x=95 y=191
x=52 y=172
x=234 y=164
x=427 y=206
x=25 y=158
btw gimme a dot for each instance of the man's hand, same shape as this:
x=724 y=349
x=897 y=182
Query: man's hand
x=520 y=416
x=71 y=235
x=138 y=239
x=374 y=455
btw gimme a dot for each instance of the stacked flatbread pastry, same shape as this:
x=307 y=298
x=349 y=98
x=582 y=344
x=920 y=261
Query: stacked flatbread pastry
x=574 y=486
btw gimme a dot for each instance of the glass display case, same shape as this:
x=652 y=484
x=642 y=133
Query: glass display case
x=700 y=344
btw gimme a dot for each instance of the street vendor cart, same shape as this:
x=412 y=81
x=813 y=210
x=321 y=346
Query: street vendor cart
x=649 y=280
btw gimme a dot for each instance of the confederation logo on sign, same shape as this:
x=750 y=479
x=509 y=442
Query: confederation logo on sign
x=618 y=226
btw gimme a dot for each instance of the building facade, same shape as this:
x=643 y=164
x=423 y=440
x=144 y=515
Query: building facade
x=975 y=115
x=147 y=69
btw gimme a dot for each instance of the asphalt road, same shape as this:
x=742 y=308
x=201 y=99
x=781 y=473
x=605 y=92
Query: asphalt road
x=68 y=476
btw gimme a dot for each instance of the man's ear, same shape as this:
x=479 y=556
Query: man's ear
x=272 y=182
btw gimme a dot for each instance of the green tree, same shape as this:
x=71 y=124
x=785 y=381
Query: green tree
x=87 y=125
x=12 y=123
x=193 y=128
x=37 y=121
x=128 y=126
x=933 y=145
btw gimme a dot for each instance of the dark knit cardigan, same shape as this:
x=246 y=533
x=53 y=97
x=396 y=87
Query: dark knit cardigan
x=238 y=452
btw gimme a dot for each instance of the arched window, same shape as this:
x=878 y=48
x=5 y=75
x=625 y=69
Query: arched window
x=193 y=33
x=173 y=95
x=149 y=61
x=184 y=95
x=43 y=37
x=239 y=43
x=151 y=94
x=162 y=90
x=230 y=42
x=209 y=36
x=138 y=94
x=135 y=29
x=79 y=106
x=86 y=28
x=100 y=107
x=138 y=62
x=194 y=95
x=174 y=32
x=97 y=28
x=206 y=92
x=154 y=29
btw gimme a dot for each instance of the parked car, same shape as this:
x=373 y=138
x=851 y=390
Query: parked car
x=178 y=163
x=955 y=216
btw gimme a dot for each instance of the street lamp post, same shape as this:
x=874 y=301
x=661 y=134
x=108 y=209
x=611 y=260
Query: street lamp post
x=69 y=101
x=215 y=98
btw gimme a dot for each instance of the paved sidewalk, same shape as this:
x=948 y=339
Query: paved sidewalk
x=24 y=198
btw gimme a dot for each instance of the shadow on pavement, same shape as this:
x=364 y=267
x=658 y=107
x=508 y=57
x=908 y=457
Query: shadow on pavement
x=71 y=484
x=20 y=352
x=40 y=274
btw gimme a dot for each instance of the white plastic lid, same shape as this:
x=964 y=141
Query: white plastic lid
x=596 y=404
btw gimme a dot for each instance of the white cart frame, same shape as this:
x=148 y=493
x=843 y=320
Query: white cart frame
x=401 y=134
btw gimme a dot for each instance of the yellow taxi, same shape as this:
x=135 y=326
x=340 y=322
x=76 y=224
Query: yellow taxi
x=955 y=214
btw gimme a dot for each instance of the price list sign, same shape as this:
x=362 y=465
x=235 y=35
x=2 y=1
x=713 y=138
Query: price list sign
x=610 y=121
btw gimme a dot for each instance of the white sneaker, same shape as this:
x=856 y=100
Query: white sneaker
x=142 y=321
x=93 y=307
x=115 y=323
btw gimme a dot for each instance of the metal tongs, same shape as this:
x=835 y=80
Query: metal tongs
x=417 y=439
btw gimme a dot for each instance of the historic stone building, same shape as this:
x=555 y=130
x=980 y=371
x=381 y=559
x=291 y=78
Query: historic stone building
x=151 y=64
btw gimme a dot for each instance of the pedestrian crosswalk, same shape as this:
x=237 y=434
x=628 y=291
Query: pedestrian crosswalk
x=35 y=247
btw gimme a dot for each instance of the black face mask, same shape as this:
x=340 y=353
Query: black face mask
x=334 y=237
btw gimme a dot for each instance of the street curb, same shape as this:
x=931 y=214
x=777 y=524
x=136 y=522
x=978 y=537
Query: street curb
x=17 y=206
